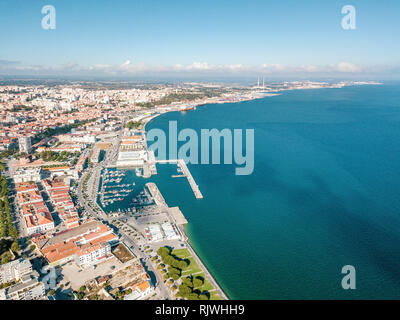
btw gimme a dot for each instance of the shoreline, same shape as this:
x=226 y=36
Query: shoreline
x=195 y=255
x=147 y=120
x=202 y=265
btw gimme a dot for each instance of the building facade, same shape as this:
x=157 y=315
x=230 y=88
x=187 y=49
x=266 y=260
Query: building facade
x=25 y=144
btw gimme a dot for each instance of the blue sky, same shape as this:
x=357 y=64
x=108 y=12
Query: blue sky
x=132 y=37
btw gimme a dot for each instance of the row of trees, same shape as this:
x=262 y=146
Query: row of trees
x=7 y=229
x=4 y=190
x=133 y=125
x=189 y=288
x=49 y=155
x=175 y=264
x=168 y=258
x=6 y=226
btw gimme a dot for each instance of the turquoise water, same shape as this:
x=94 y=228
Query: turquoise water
x=324 y=193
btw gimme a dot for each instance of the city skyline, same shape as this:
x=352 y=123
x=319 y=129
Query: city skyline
x=207 y=39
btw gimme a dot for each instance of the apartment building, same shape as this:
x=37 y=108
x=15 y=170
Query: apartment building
x=28 y=174
x=58 y=192
x=36 y=214
x=22 y=282
x=87 y=244
x=29 y=288
x=14 y=270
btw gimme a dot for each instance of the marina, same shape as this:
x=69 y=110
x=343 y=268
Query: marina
x=113 y=189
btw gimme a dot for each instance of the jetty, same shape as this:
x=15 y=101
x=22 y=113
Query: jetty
x=185 y=172
x=156 y=195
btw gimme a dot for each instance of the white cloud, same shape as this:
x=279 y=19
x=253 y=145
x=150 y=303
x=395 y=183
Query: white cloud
x=348 y=67
x=198 y=67
x=126 y=63
x=70 y=65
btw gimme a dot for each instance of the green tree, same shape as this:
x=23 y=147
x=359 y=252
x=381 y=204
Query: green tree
x=187 y=281
x=184 y=290
x=173 y=270
x=203 y=297
x=80 y=295
x=14 y=233
x=197 y=282
x=163 y=251
x=182 y=264
x=6 y=257
x=192 y=296
x=15 y=246
x=175 y=276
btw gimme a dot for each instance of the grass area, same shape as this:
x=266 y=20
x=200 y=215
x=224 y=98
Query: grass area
x=207 y=286
x=181 y=253
x=193 y=270
x=193 y=267
x=215 y=296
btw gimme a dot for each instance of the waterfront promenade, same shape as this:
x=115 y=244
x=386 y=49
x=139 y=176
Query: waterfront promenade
x=160 y=201
x=206 y=272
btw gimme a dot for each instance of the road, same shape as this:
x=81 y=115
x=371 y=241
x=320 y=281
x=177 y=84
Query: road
x=91 y=201
x=164 y=291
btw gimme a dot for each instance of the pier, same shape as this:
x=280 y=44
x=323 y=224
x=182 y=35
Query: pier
x=156 y=195
x=186 y=172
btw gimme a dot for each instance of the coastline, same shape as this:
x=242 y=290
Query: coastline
x=148 y=119
x=187 y=238
x=200 y=262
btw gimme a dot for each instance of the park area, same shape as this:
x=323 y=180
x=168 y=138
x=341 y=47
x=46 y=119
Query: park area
x=185 y=276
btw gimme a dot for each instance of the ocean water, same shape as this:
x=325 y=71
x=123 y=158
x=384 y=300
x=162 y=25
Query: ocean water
x=324 y=193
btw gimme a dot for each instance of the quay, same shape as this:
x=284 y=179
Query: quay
x=186 y=172
x=156 y=195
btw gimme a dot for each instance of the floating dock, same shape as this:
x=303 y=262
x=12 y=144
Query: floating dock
x=185 y=171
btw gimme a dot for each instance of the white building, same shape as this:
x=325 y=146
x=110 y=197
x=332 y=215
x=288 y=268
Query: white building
x=93 y=254
x=155 y=233
x=77 y=137
x=132 y=158
x=169 y=231
x=39 y=222
x=14 y=270
x=29 y=288
x=25 y=144
x=28 y=174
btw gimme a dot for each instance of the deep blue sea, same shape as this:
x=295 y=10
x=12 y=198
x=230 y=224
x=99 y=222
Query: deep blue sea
x=325 y=193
